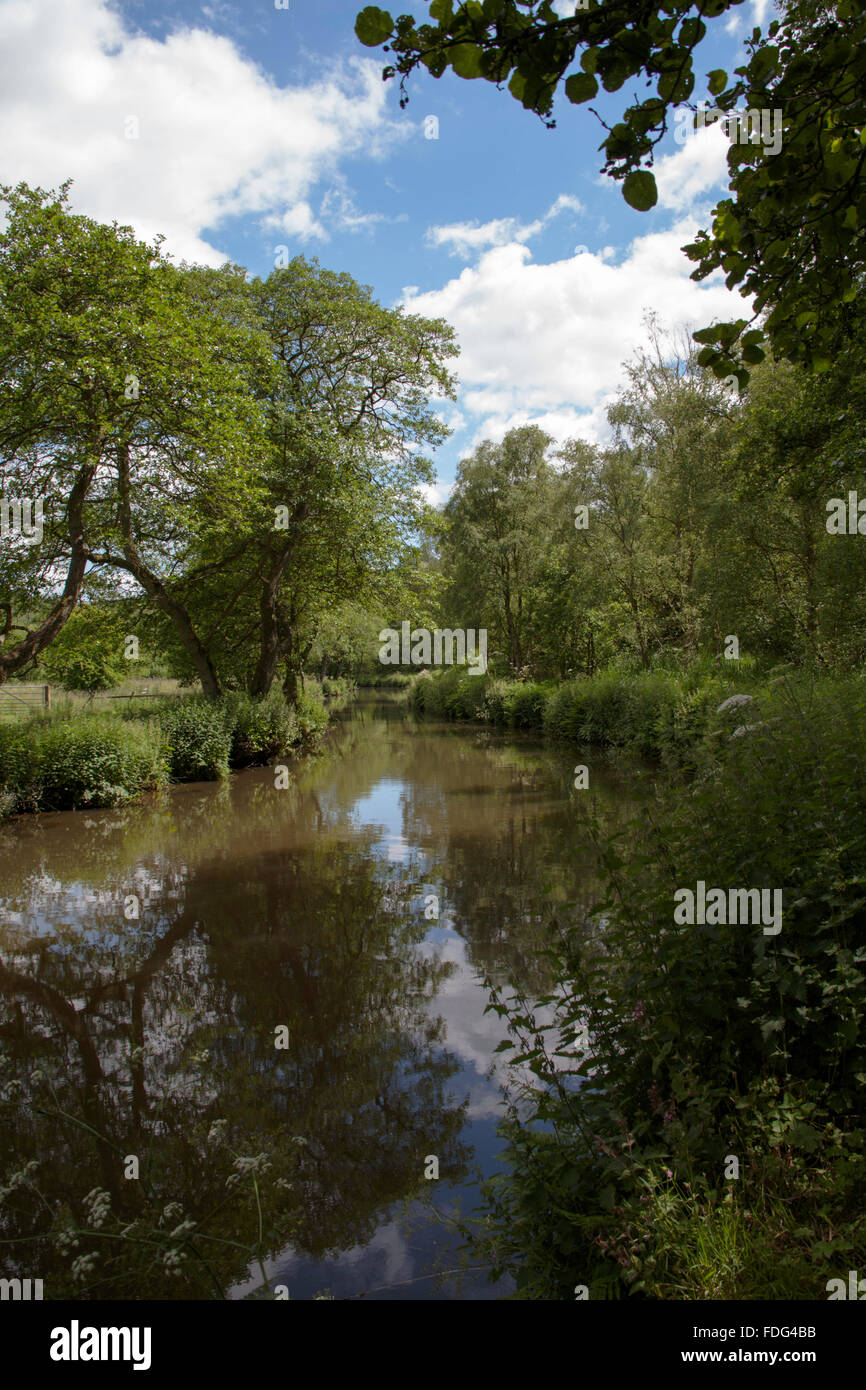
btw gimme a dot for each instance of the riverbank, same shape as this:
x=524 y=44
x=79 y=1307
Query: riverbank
x=694 y=1123
x=675 y=716
x=64 y=761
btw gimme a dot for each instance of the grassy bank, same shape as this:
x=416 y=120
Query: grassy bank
x=62 y=761
x=665 y=714
x=397 y=680
x=694 y=1120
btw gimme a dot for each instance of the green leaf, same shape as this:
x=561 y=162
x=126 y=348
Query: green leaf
x=517 y=86
x=615 y=73
x=373 y=26
x=581 y=86
x=639 y=190
x=718 y=81
x=466 y=60
x=441 y=10
x=803 y=1136
x=765 y=61
x=692 y=31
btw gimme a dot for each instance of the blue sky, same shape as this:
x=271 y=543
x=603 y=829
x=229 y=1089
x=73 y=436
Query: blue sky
x=260 y=127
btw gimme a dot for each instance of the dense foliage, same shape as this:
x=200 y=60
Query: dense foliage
x=670 y=1050
x=671 y=715
x=707 y=517
x=94 y=760
x=241 y=455
x=792 y=234
x=68 y=761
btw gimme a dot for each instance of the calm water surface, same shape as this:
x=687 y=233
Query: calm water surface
x=360 y=910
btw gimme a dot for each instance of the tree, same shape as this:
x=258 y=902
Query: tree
x=126 y=406
x=347 y=415
x=346 y=636
x=792 y=237
x=495 y=538
x=681 y=420
x=793 y=234
x=88 y=655
x=185 y=472
x=69 y=291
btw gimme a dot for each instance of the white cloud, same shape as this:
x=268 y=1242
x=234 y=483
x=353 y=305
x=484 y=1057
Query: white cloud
x=338 y=208
x=701 y=165
x=297 y=221
x=545 y=343
x=564 y=423
x=760 y=10
x=435 y=494
x=467 y=238
x=217 y=137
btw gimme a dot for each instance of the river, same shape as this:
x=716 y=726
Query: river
x=262 y=1010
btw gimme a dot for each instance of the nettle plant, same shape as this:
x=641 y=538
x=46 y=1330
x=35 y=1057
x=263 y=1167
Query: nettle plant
x=664 y=1049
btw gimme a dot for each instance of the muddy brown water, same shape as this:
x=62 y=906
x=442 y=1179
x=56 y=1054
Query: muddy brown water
x=291 y=1030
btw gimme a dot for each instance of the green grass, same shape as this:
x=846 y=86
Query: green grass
x=658 y=714
x=65 y=758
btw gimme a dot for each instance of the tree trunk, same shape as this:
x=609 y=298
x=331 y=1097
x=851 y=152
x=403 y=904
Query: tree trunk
x=290 y=685
x=155 y=589
x=272 y=643
x=36 y=641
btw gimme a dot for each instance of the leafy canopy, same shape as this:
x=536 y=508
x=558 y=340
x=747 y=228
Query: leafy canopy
x=792 y=234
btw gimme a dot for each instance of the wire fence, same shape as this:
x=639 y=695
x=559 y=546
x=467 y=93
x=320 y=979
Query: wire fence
x=24 y=699
x=29 y=698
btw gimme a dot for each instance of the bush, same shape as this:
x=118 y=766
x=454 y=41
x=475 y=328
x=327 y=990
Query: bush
x=311 y=718
x=260 y=729
x=492 y=709
x=337 y=687
x=658 y=714
x=524 y=704
x=398 y=680
x=704 y=1041
x=198 y=736
x=451 y=694
x=88 y=760
x=53 y=763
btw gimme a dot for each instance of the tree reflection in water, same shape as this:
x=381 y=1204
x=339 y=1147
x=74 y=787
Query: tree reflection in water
x=155 y=1037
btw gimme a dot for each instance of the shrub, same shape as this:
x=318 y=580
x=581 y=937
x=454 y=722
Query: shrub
x=658 y=714
x=492 y=708
x=54 y=763
x=311 y=718
x=87 y=760
x=397 y=680
x=451 y=694
x=705 y=1041
x=564 y=711
x=260 y=729
x=338 y=687
x=524 y=704
x=198 y=736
